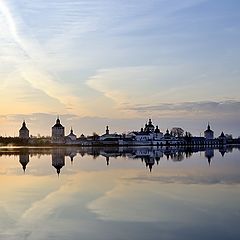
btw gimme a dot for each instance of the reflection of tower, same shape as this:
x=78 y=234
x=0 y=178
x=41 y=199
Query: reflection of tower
x=149 y=162
x=158 y=154
x=72 y=155
x=167 y=152
x=24 y=160
x=107 y=160
x=58 y=159
x=71 y=152
x=157 y=160
x=209 y=154
x=222 y=150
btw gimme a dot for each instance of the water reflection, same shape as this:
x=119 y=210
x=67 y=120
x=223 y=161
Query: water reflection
x=24 y=160
x=58 y=159
x=119 y=193
x=149 y=155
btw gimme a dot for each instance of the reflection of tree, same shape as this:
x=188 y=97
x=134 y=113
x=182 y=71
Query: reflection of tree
x=149 y=161
x=95 y=153
x=188 y=152
x=178 y=157
x=209 y=154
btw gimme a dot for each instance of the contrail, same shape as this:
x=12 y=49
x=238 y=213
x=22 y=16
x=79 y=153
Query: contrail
x=12 y=25
x=33 y=73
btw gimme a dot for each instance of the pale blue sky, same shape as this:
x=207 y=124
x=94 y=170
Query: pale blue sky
x=175 y=61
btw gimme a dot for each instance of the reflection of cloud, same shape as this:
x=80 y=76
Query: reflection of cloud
x=126 y=202
x=41 y=205
x=168 y=196
x=45 y=207
x=193 y=179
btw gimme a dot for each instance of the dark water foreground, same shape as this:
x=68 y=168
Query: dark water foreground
x=116 y=193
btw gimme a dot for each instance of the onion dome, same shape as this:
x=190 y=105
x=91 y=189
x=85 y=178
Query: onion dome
x=157 y=130
x=222 y=135
x=58 y=124
x=208 y=129
x=167 y=134
x=150 y=123
x=24 y=127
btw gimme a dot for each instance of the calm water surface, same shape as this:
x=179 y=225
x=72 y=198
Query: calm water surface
x=141 y=193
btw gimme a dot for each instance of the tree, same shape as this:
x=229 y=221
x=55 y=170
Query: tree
x=177 y=132
x=229 y=136
x=95 y=136
x=188 y=135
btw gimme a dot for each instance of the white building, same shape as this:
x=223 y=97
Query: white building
x=71 y=137
x=148 y=135
x=109 y=136
x=149 y=127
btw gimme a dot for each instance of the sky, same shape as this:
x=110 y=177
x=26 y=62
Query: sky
x=100 y=62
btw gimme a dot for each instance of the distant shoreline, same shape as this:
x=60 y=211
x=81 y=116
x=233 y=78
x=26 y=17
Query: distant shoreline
x=12 y=145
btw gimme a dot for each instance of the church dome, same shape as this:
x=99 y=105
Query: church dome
x=58 y=124
x=167 y=134
x=208 y=129
x=149 y=127
x=222 y=135
x=72 y=136
x=24 y=127
x=157 y=130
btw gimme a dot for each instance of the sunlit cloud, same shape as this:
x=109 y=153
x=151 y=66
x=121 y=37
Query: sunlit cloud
x=28 y=66
x=155 y=89
x=118 y=60
x=206 y=109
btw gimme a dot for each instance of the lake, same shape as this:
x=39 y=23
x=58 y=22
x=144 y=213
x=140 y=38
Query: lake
x=119 y=193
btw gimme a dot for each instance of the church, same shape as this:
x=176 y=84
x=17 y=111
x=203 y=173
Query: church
x=24 y=132
x=58 y=133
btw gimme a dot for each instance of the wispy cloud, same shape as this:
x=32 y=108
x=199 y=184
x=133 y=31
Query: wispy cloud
x=204 y=108
x=117 y=59
x=29 y=66
x=141 y=88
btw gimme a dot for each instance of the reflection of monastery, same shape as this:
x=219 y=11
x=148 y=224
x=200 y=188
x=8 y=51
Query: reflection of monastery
x=150 y=156
x=149 y=135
